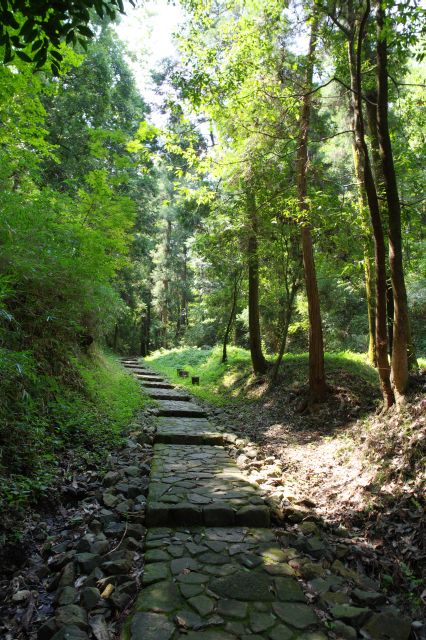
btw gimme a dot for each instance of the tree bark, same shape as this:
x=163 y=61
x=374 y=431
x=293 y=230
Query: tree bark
x=259 y=363
x=317 y=384
x=390 y=311
x=355 y=60
x=368 y=251
x=115 y=339
x=401 y=328
x=230 y=319
x=185 y=315
x=165 y=306
x=145 y=331
x=287 y=319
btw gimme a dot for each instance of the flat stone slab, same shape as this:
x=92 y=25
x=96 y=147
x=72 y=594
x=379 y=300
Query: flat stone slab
x=187 y=431
x=134 y=365
x=177 y=408
x=157 y=384
x=168 y=394
x=149 y=377
x=216 y=584
x=201 y=485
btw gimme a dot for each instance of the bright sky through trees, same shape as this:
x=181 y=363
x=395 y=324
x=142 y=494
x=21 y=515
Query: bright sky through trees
x=148 y=34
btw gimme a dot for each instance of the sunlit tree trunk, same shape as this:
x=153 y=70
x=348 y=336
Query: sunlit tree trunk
x=165 y=306
x=288 y=312
x=317 y=384
x=355 y=59
x=372 y=115
x=185 y=315
x=401 y=328
x=368 y=260
x=258 y=360
x=231 y=318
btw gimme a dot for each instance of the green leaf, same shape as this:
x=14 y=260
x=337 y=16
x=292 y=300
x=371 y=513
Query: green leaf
x=9 y=19
x=55 y=54
x=25 y=57
x=37 y=45
x=85 y=31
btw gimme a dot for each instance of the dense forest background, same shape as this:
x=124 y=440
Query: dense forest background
x=279 y=208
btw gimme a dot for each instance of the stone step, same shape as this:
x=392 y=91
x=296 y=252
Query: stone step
x=157 y=385
x=194 y=485
x=136 y=367
x=178 y=408
x=187 y=431
x=149 y=377
x=142 y=372
x=220 y=584
x=167 y=394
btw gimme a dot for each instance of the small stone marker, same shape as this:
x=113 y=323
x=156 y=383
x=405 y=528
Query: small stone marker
x=182 y=373
x=195 y=380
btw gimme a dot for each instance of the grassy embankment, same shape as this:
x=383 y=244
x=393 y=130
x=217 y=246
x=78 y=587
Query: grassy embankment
x=221 y=384
x=57 y=422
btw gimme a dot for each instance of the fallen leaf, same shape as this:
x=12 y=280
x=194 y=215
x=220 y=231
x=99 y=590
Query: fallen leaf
x=107 y=591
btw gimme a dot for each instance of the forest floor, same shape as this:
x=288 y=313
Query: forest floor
x=349 y=464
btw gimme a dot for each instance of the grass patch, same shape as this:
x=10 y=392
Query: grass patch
x=110 y=388
x=221 y=384
x=294 y=369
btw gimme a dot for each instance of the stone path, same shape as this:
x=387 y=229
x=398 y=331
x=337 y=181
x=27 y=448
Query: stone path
x=213 y=569
x=200 y=485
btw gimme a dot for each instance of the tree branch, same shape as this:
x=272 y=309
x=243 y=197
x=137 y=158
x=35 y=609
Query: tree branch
x=334 y=135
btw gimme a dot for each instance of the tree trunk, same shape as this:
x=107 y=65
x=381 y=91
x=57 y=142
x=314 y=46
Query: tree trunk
x=165 y=306
x=355 y=60
x=257 y=358
x=185 y=315
x=145 y=331
x=230 y=319
x=368 y=251
x=317 y=384
x=390 y=311
x=287 y=319
x=401 y=329
x=115 y=339
x=370 y=286
x=142 y=349
x=377 y=167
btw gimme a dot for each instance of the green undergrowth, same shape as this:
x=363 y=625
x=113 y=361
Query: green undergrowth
x=338 y=366
x=221 y=384
x=218 y=382
x=421 y=362
x=73 y=418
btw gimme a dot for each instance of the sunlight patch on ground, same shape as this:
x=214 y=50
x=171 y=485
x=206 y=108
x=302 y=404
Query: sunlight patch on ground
x=331 y=472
